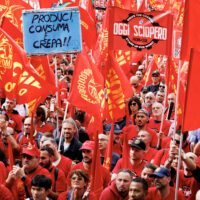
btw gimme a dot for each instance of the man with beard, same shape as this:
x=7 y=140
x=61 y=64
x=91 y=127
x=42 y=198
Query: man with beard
x=162 y=178
x=155 y=121
x=119 y=188
x=141 y=120
x=57 y=175
x=148 y=101
x=138 y=189
x=86 y=165
x=70 y=145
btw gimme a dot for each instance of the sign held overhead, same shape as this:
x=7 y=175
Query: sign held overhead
x=52 y=31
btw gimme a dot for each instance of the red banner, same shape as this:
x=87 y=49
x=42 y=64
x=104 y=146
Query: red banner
x=150 y=31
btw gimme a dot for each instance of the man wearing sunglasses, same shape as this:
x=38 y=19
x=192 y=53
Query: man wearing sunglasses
x=155 y=77
x=30 y=168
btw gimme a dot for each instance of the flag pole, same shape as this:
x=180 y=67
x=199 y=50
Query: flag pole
x=175 y=120
x=61 y=134
x=177 y=97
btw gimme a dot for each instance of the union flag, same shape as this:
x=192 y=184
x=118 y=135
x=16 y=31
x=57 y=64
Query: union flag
x=19 y=80
x=87 y=89
x=118 y=88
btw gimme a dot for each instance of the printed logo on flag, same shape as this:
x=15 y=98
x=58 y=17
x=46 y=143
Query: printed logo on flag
x=140 y=31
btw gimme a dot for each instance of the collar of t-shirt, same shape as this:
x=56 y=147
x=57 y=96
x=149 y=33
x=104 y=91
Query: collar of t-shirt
x=57 y=161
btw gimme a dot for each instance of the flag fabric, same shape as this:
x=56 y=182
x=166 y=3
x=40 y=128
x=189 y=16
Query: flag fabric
x=19 y=80
x=109 y=150
x=118 y=88
x=47 y=4
x=191 y=28
x=12 y=9
x=191 y=118
x=96 y=178
x=12 y=30
x=133 y=31
x=87 y=88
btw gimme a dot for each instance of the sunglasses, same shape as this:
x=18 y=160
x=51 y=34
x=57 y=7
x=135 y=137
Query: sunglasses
x=27 y=157
x=177 y=141
x=161 y=86
x=133 y=104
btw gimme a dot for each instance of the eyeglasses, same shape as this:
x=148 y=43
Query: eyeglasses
x=77 y=178
x=133 y=104
x=27 y=157
x=161 y=86
x=177 y=141
x=148 y=98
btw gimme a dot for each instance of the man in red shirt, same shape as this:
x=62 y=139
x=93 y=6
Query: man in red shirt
x=57 y=176
x=87 y=152
x=30 y=168
x=136 y=162
x=149 y=152
x=162 y=191
x=119 y=188
x=59 y=161
x=15 y=120
x=155 y=121
x=148 y=101
x=141 y=120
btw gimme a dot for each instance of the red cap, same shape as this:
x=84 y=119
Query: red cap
x=88 y=145
x=31 y=151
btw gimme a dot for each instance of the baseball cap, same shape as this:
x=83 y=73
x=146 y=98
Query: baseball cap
x=117 y=129
x=144 y=90
x=143 y=111
x=31 y=151
x=88 y=145
x=156 y=73
x=139 y=144
x=161 y=172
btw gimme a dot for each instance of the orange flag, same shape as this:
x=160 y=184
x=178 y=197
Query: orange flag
x=87 y=89
x=191 y=28
x=118 y=88
x=191 y=118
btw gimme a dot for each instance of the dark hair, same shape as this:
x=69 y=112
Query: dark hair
x=150 y=166
x=40 y=112
x=163 y=82
x=48 y=135
x=126 y=171
x=3 y=158
x=48 y=149
x=41 y=181
x=80 y=173
x=69 y=71
x=137 y=100
x=185 y=133
x=142 y=181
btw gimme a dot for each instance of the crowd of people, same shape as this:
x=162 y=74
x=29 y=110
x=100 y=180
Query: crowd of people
x=50 y=155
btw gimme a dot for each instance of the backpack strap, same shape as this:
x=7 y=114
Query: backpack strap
x=56 y=177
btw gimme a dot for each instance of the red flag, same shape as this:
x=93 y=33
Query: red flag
x=12 y=9
x=109 y=150
x=19 y=80
x=191 y=118
x=142 y=7
x=96 y=178
x=88 y=28
x=47 y=4
x=118 y=88
x=10 y=154
x=87 y=89
x=12 y=30
x=191 y=28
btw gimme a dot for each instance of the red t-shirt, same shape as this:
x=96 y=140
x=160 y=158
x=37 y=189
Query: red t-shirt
x=64 y=196
x=148 y=156
x=155 y=125
x=105 y=174
x=5 y=193
x=153 y=194
x=65 y=165
x=132 y=132
x=136 y=169
x=3 y=173
x=161 y=156
x=59 y=185
x=45 y=128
